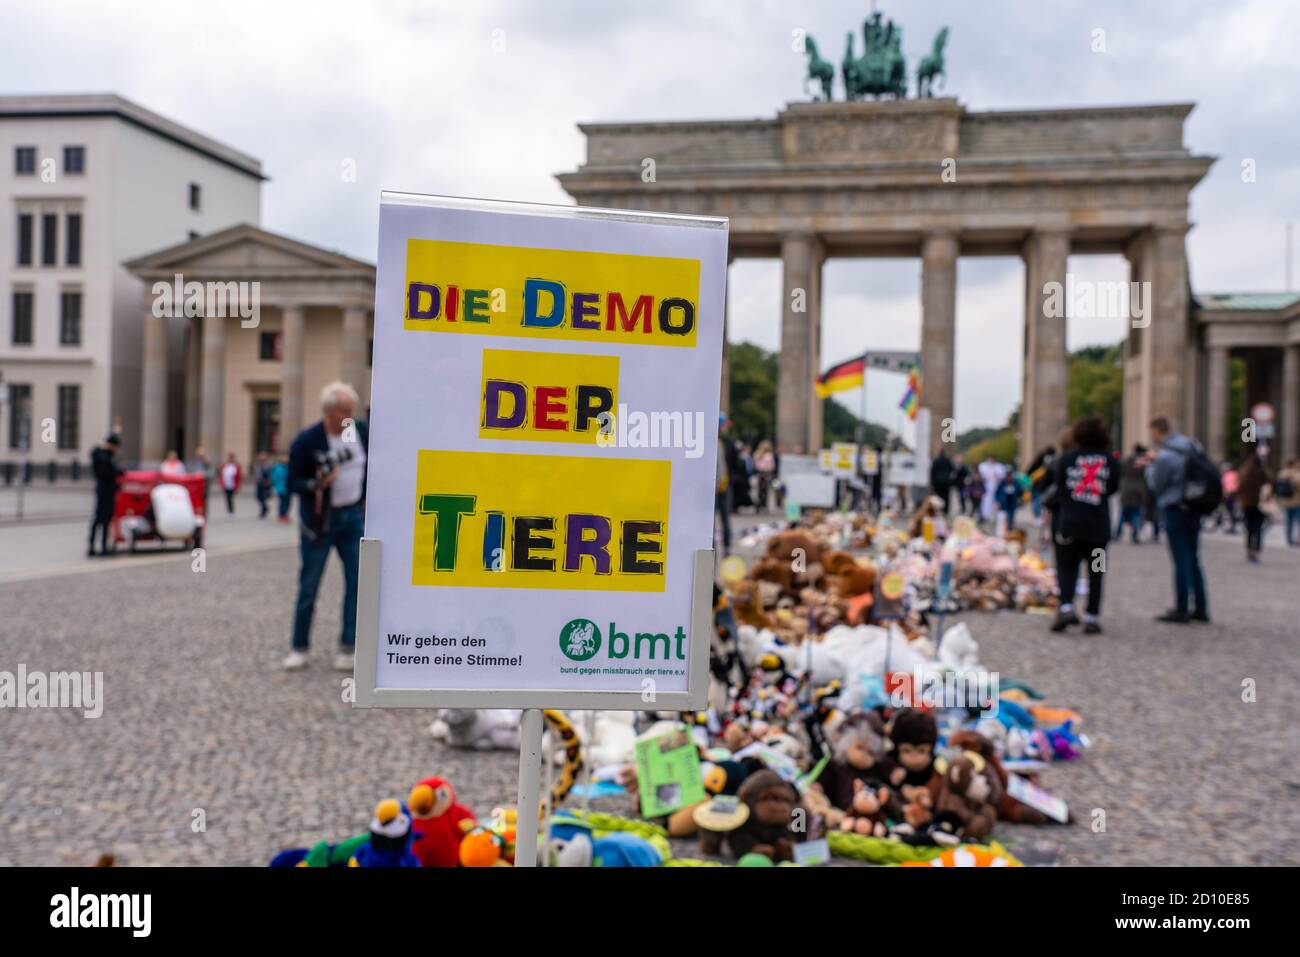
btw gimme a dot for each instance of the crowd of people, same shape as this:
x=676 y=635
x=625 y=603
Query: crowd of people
x=1068 y=489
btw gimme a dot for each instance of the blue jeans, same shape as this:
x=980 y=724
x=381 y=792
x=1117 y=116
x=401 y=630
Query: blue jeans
x=1130 y=515
x=342 y=531
x=1183 y=532
x=1293 y=525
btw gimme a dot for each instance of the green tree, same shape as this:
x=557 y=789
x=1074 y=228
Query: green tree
x=753 y=392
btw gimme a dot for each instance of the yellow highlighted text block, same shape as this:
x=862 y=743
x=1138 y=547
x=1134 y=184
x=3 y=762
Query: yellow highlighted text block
x=556 y=294
x=546 y=396
x=504 y=520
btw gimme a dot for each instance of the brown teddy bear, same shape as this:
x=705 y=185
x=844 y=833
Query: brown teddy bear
x=801 y=552
x=746 y=602
x=1009 y=809
x=970 y=794
x=777 y=572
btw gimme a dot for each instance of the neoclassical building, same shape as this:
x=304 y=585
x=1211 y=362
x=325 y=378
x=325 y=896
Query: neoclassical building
x=1263 y=330
x=933 y=180
x=233 y=383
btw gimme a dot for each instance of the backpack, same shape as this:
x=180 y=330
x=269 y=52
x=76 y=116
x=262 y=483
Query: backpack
x=1202 y=484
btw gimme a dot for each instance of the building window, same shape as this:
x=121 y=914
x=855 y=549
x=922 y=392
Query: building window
x=25 y=160
x=23 y=305
x=69 y=418
x=70 y=319
x=25 y=240
x=72 y=250
x=195 y=196
x=267 y=425
x=49 y=239
x=20 y=416
x=74 y=159
x=270 y=346
x=370 y=353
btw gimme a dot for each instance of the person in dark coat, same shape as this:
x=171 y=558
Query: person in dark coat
x=1252 y=478
x=103 y=463
x=961 y=482
x=1086 y=478
x=1132 y=492
x=941 y=478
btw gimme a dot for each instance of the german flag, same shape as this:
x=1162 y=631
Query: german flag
x=838 y=378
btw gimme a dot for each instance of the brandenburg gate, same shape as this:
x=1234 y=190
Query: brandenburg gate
x=928 y=178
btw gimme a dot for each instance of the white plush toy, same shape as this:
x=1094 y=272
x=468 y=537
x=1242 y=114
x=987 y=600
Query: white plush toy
x=491 y=729
x=959 y=650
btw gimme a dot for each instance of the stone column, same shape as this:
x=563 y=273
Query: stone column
x=193 y=385
x=1216 y=402
x=938 y=331
x=213 y=392
x=1169 y=333
x=291 y=373
x=1290 y=417
x=1137 y=346
x=1045 y=402
x=153 y=388
x=797 y=405
x=354 y=348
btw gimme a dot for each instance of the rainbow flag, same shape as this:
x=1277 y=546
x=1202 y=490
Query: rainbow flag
x=911 y=400
x=838 y=378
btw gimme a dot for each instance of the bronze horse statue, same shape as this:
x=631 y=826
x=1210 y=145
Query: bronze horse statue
x=818 y=69
x=932 y=66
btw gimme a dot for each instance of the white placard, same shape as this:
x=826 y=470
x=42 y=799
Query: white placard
x=542 y=456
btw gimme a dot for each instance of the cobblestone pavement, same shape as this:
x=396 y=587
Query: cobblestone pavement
x=199 y=719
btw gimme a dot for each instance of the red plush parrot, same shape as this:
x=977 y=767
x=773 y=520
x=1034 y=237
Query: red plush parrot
x=437 y=823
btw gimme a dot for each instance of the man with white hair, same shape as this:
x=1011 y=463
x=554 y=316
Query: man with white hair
x=327 y=471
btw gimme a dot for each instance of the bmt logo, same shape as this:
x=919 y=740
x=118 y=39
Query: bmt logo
x=580 y=640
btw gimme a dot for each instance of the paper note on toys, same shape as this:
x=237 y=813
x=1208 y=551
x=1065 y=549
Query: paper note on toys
x=542 y=446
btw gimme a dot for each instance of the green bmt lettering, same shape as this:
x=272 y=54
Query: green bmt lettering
x=621 y=646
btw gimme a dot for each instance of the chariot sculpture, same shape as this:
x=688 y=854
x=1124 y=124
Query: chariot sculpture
x=881 y=71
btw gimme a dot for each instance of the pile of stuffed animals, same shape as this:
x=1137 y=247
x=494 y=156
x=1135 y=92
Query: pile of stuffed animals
x=810 y=732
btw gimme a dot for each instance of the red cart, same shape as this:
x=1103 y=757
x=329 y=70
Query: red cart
x=151 y=506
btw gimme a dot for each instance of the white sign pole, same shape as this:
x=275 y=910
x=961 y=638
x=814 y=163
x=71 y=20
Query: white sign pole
x=530 y=771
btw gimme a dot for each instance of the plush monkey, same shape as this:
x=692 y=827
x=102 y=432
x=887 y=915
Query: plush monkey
x=769 y=829
x=866 y=812
x=858 y=755
x=913 y=735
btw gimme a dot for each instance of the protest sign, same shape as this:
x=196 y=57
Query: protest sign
x=542 y=457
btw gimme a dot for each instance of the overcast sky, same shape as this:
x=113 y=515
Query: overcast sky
x=482 y=98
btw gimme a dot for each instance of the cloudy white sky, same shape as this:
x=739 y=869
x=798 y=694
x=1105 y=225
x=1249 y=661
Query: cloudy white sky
x=481 y=99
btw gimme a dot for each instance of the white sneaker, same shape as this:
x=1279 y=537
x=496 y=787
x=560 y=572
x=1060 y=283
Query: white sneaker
x=345 y=661
x=296 y=661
